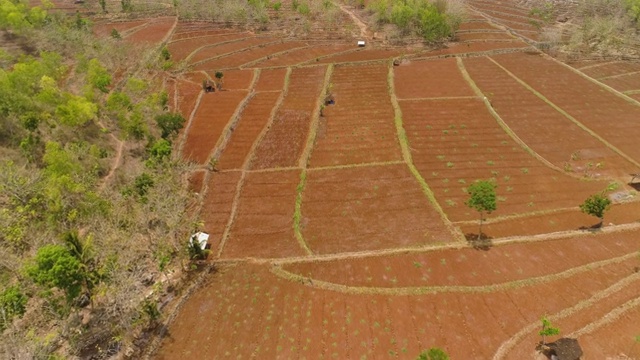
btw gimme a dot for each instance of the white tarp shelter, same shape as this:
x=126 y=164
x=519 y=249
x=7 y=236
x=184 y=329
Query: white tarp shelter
x=201 y=238
x=361 y=43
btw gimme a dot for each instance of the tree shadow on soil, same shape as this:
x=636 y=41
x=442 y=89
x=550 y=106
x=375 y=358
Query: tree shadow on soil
x=593 y=228
x=635 y=185
x=479 y=242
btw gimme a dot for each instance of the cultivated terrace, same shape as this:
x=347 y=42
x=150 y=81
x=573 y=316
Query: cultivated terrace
x=320 y=179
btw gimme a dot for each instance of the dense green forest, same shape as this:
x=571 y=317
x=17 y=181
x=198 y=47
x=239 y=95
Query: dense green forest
x=94 y=211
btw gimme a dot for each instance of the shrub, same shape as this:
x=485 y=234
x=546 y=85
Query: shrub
x=170 y=124
x=12 y=303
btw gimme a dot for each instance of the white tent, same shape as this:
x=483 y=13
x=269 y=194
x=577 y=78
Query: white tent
x=201 y=237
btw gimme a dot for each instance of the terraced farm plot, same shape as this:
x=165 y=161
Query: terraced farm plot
x=271 y=80
x=181 y=49
x=470 y=267
x=154 y=32
x=263 y=226
x=105 y=28
x=624 y=82
x=363 y=56
x=235 y=79
x=587 y=102
x=253 y=119
x=250 y=55
x=213 y=114
x=303 y=55
x=211 y=53
x=455 y=142
x=477 y=47
x=430 y=79
x=547 y=131
x=284 y=142
x=359 y=127
x=217 y=205
x=367 y=208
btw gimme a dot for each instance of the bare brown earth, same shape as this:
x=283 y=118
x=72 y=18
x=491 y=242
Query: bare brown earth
x=341 y=234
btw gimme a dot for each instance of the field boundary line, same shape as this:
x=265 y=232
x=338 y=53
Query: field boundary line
x=560 y=235
x=505 y=127
x=607 y=319
x=183 y=138
x=359 y=165
x=438 y=289
x=508 y=345
x=603 y=85
x=597 y=65
x=618 y=76
x=201 y=36
x=440 y=98
x=303 y=162
x=313 y=62
x=231 y=53
x=524 y=48
x=567 y=115
x=227 y=132
x=247 y=163
x=283 y=52
x=408 y=158
x=631 y=92
x=193 y=53
x=499 y=219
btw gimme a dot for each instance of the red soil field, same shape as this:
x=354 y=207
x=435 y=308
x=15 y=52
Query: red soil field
x=246 y=311
x=624 y=82
x=253 y=119
x=589 y=103
x=476 y=25
x=468 y=36
x=500 y=9
x=363 y=55
x=104 y=29
x=368 y=208
x=222 y=49
x=264 y=223
x=544 y=129
x=211 y=117
x=271 y=80
x=283 y=144
x=187 y=97
x=635 y=96
x=571 y=219
x=235 y=79
x=427 y=79
x=611 y=69
x=154 y=32
x=217 y=203
x=180 y=50
x=250 y=55
x=470 y=267
x=299 y=56
x=191 y=34
x=359 y=127
x=614 y=338
x=455 y=142
x=477 y=47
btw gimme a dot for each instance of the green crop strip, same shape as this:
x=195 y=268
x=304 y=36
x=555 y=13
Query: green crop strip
x=297 y=214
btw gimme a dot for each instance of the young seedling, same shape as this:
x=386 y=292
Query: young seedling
x=547 y=329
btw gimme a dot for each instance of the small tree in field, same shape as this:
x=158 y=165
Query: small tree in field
x=482 y=198
x=433 y=354
x=547 y=329
x=596 y=205
x=219 y=76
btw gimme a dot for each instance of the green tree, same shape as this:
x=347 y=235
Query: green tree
x=596 y=205
x=482 y=198
x=160 y=150
x=433 y=354
x=170 y=124
x=547 y=329
x=55 y=266
x=103 y=5
x=12 y=303
x=98 y=76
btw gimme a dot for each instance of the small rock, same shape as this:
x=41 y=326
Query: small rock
x=148 y=280
x=562 y=18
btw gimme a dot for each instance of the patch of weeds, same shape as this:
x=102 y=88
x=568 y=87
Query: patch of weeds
x=506 y=178
x=490 y=163
x=450 y=202
x=504 y=142
x=462 y=181
x=525 y=170
x=509 y=188
x=443 y=261
x=613 y=186
x=501 y=198
x=445 y=191
x=495 y=173
x=440 y=157
x=417 y=264
x=474 y=145
x=449 y=164
x=463 y=126
x=530 y=204
x=445 y=180
x=445 y=132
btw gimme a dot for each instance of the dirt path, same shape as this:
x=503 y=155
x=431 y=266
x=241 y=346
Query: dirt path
x=116 y=161
x=364 y=32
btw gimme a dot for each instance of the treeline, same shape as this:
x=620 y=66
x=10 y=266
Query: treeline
x=93 y=210
x=434 y=21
